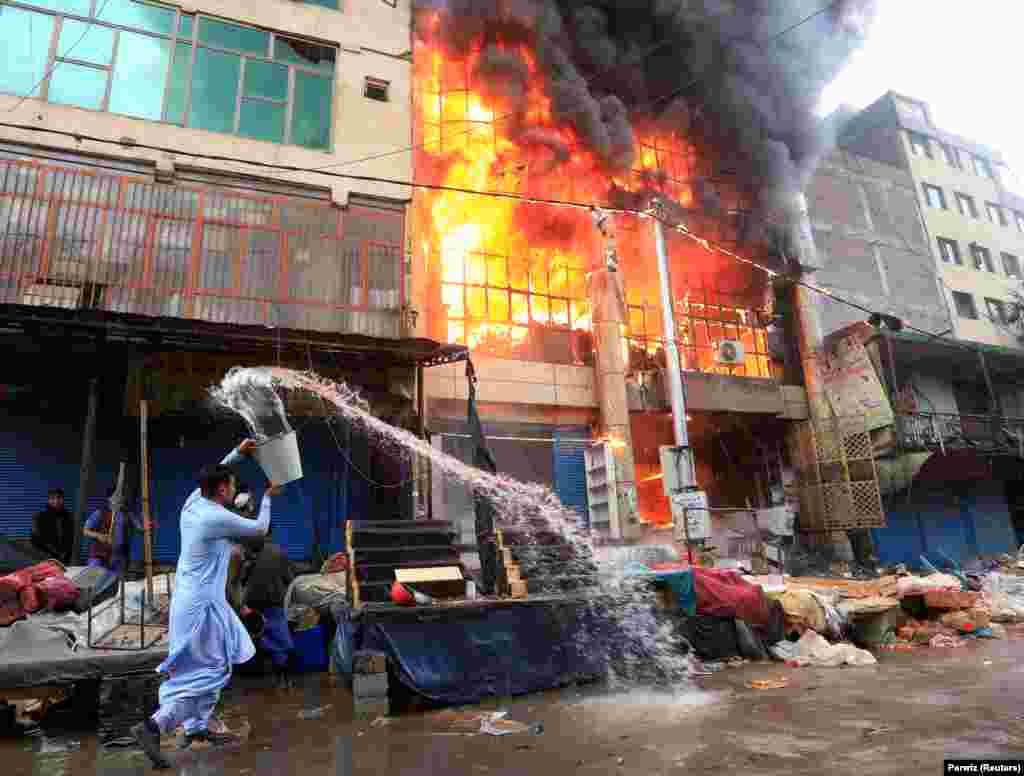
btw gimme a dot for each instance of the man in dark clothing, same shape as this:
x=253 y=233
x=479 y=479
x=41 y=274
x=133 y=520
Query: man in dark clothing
x=266 y=579
x=53 y=529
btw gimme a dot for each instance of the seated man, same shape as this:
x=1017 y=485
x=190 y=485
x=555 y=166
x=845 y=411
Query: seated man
x=110 y=548
x=53 y=528
x=268 y=576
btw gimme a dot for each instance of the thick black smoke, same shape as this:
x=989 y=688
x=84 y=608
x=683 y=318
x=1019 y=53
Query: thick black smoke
x=739 y=77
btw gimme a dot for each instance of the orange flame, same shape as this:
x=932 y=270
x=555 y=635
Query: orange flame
x=513 y=274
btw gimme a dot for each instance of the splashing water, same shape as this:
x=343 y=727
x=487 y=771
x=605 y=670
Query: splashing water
x=252 y=394
x=617 y=622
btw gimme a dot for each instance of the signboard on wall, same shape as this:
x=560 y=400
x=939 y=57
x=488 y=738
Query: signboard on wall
x=691 y=506
x=852 y=386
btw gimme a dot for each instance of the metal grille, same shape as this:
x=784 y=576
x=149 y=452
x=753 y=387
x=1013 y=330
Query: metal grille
x=76 y=238
x=837 y=478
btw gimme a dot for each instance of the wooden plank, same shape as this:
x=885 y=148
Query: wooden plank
x=147 y=536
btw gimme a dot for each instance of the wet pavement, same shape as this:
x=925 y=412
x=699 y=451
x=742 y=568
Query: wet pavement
x=903 y=715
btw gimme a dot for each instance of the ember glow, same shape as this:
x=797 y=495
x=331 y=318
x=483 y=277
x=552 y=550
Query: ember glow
x=510 y=277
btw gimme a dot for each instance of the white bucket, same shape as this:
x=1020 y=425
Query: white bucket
x=279 y=458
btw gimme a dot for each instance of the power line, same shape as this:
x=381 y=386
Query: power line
x=56 y=61
x=707 y=244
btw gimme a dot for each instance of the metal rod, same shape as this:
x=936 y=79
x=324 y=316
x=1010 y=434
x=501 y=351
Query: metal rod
x=677 y=390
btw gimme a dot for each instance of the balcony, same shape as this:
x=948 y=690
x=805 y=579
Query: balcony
x=944 y=431
x=75 y=238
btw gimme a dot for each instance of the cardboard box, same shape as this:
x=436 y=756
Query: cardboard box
x=439 y=582
x=517 y=589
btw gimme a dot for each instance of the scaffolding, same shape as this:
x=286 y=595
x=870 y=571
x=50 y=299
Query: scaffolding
x=837 y=477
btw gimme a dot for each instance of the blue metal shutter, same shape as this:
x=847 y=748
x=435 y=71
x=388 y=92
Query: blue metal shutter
x=34 y=457
x=942 y=521
x=986 y=509
x=900 y=541
x=570 y=469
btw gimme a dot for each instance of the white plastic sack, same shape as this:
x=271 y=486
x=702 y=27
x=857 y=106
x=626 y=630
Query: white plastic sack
x=813 y=650
x=1005 y=596
x=920 y=585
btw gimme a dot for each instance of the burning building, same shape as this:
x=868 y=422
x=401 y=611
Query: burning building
x=527 y=113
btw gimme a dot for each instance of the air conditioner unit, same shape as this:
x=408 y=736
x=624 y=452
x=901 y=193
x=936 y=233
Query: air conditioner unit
x=730 y=352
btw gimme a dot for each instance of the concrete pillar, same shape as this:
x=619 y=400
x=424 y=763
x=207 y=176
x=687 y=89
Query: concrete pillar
x=608 y=304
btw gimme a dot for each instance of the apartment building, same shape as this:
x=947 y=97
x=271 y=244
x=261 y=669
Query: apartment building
x=167 y=211
x=916 y=224
x=975 y=223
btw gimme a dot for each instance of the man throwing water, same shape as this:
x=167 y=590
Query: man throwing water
x=206 y=636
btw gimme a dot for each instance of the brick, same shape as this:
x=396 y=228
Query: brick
x=365 y=686
x=365 y=662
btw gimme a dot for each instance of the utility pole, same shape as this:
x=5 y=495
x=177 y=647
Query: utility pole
x=689 y=504
x=87 y=466
x=609 y=318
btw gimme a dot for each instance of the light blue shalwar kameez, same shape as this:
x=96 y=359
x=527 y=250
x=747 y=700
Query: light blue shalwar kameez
x=206 y=636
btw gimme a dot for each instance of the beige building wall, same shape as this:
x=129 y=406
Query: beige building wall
x=374 y=41
x=952 y=225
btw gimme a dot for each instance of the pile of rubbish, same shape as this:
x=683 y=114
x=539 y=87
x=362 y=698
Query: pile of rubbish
x=41 y=586
x=727 y=617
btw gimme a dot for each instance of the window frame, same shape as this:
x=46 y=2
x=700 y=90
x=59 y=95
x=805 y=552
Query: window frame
x=992 y=207
x=982 y=256
x=972 y=206
x=175 y=39
x=996 y=309
x=920 y=144
x=945 y=242
x=1016 y=273
x=928 y=189
x=982 y=167
x=952 y=156
x=961 y=297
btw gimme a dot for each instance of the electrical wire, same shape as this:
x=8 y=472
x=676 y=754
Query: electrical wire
x=707 y=244
x=56 y=62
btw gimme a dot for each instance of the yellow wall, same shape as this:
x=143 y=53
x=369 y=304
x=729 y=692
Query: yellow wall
x=362 y=127
x=965 y=230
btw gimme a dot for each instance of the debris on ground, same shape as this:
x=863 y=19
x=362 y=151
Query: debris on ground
x=316 y=713
x=775 y=683
x=813 y=650
x=944 y=640
x=499 y=726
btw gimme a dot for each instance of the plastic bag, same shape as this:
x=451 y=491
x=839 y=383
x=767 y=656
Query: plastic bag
x=1005 y=596
x=342 y=648
x=812 y=649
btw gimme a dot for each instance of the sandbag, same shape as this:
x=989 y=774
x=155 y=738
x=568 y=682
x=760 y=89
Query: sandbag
x=804 y=608
x=317 y=590
x=907 y=586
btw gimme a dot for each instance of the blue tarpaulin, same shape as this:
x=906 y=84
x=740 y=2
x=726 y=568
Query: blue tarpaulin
x=501 y=651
